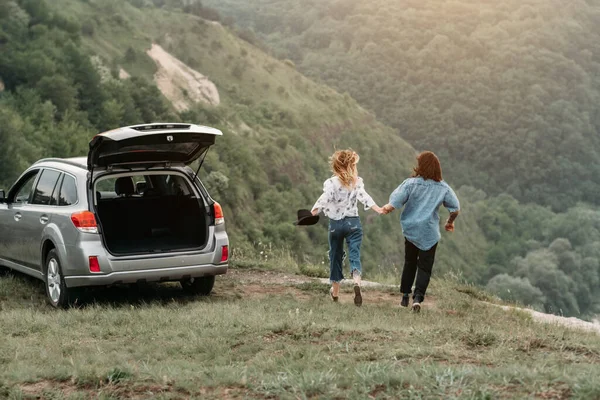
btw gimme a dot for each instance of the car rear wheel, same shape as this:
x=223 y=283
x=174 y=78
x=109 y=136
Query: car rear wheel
x=199 y=286
x=56 y=289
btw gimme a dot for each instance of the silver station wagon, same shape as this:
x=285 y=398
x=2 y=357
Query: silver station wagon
x=132 y=211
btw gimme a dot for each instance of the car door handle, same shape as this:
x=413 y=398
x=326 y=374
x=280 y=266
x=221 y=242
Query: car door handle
x=18 y=216
x=44 y=219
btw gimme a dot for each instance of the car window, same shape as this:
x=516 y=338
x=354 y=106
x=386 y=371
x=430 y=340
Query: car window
x=54 y=199
x=172 y=185
x=146 y=186
x=45 y=187
x=26 y=187
x=106 y=187
x=68 y=192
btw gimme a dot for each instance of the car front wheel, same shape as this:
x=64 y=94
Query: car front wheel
x=56 y=290
x=199 y=286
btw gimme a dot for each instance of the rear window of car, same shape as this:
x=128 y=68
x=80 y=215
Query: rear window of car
x=68 y=192
x=145 y=186
x=45 y=187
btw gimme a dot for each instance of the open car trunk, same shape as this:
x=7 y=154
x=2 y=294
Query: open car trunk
x=150 y=213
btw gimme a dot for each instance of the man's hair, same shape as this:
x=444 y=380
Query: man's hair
x=428 y=167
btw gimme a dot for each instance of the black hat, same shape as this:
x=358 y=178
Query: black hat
x=305 y=217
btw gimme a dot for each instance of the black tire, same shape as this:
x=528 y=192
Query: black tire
x=199 y=286
x=4 y=271
x=57 y=292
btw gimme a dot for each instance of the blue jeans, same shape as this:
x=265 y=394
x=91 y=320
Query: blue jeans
x=349 y=229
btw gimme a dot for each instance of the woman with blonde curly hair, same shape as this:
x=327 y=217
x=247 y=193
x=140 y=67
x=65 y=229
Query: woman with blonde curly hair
x=338 y=202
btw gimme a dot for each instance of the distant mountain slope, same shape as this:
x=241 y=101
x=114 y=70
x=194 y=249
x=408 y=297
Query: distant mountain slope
x=506 y=91
x=279 y=126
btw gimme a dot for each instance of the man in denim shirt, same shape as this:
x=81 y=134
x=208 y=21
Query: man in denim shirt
x=421 y=196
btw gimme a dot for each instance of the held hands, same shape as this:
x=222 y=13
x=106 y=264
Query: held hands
x=383 y=210
x=377 y=209
x=388 y=208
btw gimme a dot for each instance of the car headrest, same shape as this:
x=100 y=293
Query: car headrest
x=140 y=187
x=124 y=186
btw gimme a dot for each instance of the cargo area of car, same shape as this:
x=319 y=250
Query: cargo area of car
x=153 y=213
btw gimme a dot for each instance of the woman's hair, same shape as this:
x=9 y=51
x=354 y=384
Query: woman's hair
x=428 y=167
x=343 y=164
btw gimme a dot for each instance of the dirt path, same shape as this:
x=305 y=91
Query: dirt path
x=258 y=284
x=571 y=322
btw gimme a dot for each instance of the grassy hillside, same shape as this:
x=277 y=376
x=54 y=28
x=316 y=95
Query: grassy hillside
x=505 y=91
x=265 y=335
x=60 y=68
x=279 y=126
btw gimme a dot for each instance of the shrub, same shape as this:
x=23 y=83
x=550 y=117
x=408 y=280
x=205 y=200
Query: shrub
x=475 y=338
x=88 y=28
x=315 y=271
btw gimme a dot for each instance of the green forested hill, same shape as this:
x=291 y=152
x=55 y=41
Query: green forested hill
x=60 y=68
x=506 y=91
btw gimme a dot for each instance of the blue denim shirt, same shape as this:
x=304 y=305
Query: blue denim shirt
x=422 y=199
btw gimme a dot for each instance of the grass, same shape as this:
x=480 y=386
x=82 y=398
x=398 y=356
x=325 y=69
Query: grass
x=266 y=257
x=157 y=342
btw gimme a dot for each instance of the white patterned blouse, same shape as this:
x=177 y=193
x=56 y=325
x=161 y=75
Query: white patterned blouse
x=338 y=202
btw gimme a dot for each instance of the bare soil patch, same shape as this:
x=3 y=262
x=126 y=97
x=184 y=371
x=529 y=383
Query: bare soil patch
x=259 y=284
x=179 y=83
x=123 y=74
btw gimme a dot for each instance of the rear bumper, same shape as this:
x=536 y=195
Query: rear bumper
x=147 y=275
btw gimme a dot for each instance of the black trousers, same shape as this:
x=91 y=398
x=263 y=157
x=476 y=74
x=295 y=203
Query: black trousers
x=420 y=263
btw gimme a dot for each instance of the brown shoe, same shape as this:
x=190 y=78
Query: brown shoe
x=334 y=298
x=357 y=296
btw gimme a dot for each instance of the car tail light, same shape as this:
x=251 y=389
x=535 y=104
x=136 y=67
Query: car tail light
x=94 y=264
x=85 y=221
x=224 y=253
x=219 y=219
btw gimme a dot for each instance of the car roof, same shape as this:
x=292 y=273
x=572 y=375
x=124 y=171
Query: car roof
x=77 y=162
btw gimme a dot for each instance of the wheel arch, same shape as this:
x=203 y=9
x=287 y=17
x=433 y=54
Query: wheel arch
x=51 y=239
x=47 y=246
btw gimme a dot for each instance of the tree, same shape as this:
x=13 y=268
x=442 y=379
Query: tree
x=516 y=289
x=540 y=267
x=60 y=91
